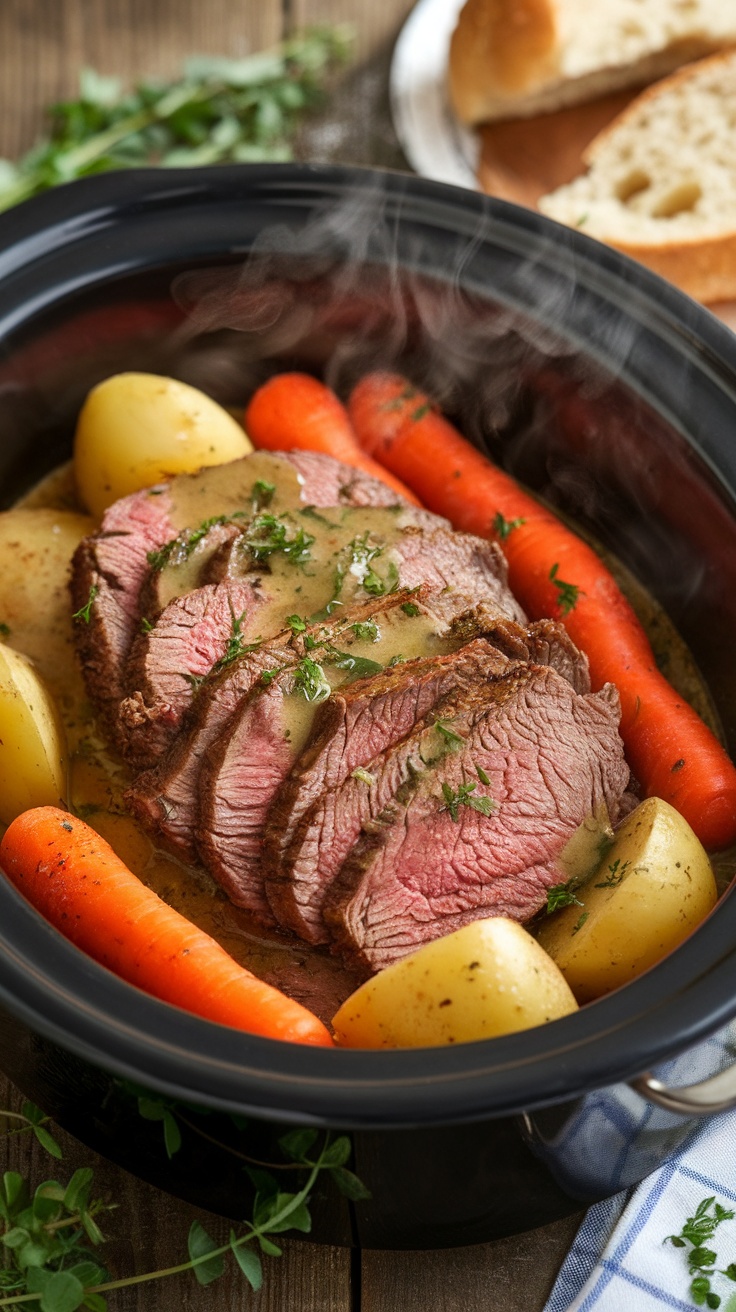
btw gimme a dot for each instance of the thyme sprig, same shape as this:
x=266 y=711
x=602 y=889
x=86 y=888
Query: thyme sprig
x=49 y=1236
x=563 y=895
x=696 y=1233
x=219 y=110
x=85 y=612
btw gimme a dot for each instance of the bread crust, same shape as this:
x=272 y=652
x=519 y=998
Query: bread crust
x=706 y=270
x=502 y=50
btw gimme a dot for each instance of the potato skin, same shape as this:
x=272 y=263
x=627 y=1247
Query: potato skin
x=135 y=429
x=636 y=911
x=33 y=766
x=487 y=979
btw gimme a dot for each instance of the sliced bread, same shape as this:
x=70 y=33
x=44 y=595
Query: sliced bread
x=518 y=58
x=661 y=180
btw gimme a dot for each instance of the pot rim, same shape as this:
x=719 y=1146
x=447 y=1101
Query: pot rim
x=60 y=994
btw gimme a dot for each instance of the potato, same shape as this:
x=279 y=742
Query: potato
x=135 y=429
x=486 y=979
x=32 y=749
x=652 y=889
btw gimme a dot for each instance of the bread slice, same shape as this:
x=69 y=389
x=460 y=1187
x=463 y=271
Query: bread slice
x=518 y=58
x=661 y=180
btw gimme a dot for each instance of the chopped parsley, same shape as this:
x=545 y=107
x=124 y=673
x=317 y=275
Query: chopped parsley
x=180 y=548
x=236 y=646
x=567 y=593
x=452 y=739
x=364 y=776
x=4 y=630
x=296 y=623
x=366 y=630
x=146 y=625
x=580 y=922
x=268 y=534
x=503 y=528
x=268 y=676
x=614 y=876
x=698 y=1232
x=310 y=680
x=362 y=555
x=481 y=774
x=562 y=895
x=262 y=494
x=464 y=797
x=85 y=611
x=410 y=609
x=396 y=660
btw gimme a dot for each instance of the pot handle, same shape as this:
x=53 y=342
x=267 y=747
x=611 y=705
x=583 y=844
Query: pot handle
x=717 y=1094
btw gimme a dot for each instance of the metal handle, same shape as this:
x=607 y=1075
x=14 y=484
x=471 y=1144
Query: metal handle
x=718 y=1094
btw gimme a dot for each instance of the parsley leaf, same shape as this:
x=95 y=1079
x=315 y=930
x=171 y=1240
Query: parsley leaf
x=85 y=611
x=562 y=895
x=268 y=534
x=463 y=797
x=503 y=528
x=310 y=680
x=366 y=630
x=568 y=593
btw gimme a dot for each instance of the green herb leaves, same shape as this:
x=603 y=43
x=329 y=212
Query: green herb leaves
x=567 y=593
x=220 y=110
x=562 y=895
x=45 y=1236
x=503 y=528
x=310 y=680
x=362 y=554
x=366 y=630
x=701 y=1261
x=180 y=548
x=614 y=877
x=85 y=611
x=269 y=533
x=262 y=494
x=463 y=796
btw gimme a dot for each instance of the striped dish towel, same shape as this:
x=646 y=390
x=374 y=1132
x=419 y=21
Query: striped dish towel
x=622 y=1259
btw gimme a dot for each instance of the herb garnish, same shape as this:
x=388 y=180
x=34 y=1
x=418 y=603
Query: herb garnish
x=4 y=630
x=268 y=534
x=396 y=660
x=562 y=895
x=503 y=528
x=262 y=494
x=180 y=548
x=481 y=774
x=85 y=611
x=146 y=625
x=360 y=666
x=568 y=593
x=463 y=797
x=701 y=1261
x=580 y=922
x=241 y=110
x=296 y=624
x=364 y=776
x=615 y=875
x=452 y=739
x=366 y=630
x=362 y=555
x=410 y=609
x=310 y=680
x=236 y=646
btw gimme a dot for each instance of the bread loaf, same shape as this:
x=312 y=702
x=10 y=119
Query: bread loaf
x=661 y=180
x=518 y=58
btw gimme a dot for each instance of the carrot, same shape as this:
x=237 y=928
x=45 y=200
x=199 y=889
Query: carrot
x=74 y=878
x=671 y=751
x=296 y=411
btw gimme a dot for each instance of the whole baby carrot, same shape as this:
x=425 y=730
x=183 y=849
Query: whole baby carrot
x=295 y=411
x=74 y=878
x=671 y=751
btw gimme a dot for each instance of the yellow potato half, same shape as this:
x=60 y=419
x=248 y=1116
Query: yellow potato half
x=652 y=889
x=32 y=750
x=487 y=979
x=135 y=429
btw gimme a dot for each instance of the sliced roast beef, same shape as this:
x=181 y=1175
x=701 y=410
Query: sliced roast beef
x=318 y=813
x=165 y=799
x=460 y=569
x=451 y=848
x=109 y=569
x=247 y=763
x=112 y=566
x=193 y=637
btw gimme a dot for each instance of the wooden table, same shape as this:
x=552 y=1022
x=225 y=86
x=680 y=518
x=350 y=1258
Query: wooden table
x=43 y=44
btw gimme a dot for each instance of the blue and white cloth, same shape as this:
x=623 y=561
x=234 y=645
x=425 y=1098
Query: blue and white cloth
x=621 y=1259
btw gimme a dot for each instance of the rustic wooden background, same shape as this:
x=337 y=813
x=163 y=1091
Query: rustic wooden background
x=43 y=44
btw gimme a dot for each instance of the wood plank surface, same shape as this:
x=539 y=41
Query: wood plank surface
x=43 y=44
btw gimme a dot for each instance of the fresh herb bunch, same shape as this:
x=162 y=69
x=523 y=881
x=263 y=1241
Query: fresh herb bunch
x=49 y=1236
x=219 y=111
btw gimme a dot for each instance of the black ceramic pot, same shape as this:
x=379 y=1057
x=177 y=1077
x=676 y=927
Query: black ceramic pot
x=598 y=385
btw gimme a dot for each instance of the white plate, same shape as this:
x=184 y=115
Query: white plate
x=436 y=145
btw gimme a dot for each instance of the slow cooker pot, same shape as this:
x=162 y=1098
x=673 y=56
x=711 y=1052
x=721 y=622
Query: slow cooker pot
x=598 y=385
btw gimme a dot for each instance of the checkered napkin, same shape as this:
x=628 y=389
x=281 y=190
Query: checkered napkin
x=619 y=1260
